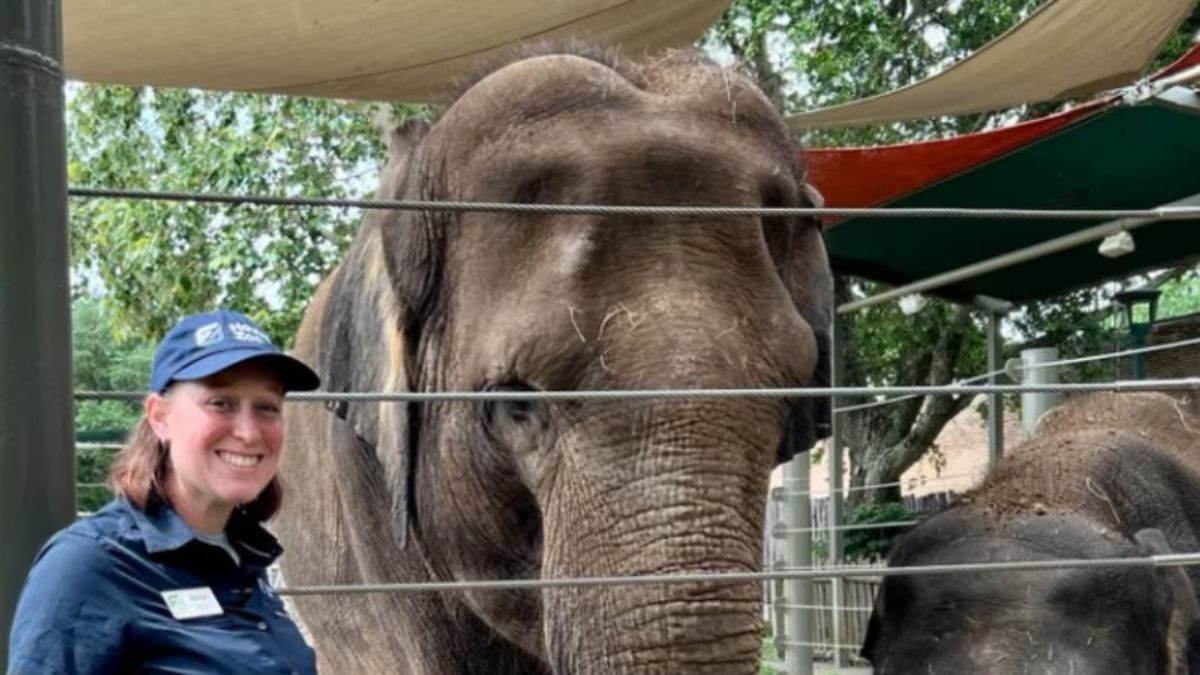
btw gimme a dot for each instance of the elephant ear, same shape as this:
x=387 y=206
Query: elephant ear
x=1175 y=596
x=363 y=350
x=401 y=139
x=875 y=626
x=368 y=327
x=810 y=418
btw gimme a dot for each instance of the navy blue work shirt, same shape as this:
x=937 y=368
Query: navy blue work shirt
x=93 y=603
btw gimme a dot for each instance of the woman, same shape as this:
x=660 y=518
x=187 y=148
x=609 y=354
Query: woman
x=170 y=577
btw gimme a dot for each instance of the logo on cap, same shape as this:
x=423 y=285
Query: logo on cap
x=208 y=334
x=247 y=333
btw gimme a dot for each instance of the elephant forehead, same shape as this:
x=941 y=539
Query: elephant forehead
x=561 y=88
x=538 y=85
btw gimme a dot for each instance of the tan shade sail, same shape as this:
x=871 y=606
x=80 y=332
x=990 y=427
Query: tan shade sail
x=1066 y=48
x=398 y=50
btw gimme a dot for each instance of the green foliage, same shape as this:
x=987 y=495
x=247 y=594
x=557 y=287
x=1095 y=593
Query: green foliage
x=873 y=543
x=158 y=260
x=1180 y=296
x=812 y=53
x=886 y=340
x=103 y=361
x=824 y=52
x=832 y=51
x=153 y=261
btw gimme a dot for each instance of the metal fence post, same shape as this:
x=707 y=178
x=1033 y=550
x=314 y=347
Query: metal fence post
x=37 y=486
x=1034 y=405
x=837 y=517
x=995 y=419
x=798 y=593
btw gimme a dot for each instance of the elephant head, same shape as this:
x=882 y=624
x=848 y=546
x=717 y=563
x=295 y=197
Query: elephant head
x=1103 y=621
x=503 y=302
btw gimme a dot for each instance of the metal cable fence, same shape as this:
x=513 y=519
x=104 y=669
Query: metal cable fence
x=831 y=574
x=1160 y=213
x=1048 y=364
x=1175 y=384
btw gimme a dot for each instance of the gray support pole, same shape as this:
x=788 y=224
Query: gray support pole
x=837 y=518
x=995 y=418
x=798 y=593
x=1034 y=405
x=37 y=485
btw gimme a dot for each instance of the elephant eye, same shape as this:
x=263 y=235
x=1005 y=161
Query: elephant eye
x=512 y=411
x=774 y=196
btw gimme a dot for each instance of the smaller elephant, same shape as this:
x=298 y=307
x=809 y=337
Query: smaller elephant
x=1105 y=476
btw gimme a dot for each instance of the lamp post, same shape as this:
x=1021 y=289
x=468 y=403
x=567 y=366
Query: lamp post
x=1141 y=308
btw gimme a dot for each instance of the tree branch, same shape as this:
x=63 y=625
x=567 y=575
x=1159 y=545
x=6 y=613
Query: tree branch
x=770 y=81
x=935 y=412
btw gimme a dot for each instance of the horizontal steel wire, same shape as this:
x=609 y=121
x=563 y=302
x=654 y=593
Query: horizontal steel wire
x=1047 y=364
x=1169 y=560
x=1166 y=213
x=829 y=646
x=818 y=608
x=781 y=531
x=780 y=494
x=782 y=392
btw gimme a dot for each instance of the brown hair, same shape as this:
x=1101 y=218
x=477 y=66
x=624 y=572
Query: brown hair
x=139 y=473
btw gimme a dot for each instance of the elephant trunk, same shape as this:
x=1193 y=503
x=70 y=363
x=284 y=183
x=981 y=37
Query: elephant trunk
x=680 y=491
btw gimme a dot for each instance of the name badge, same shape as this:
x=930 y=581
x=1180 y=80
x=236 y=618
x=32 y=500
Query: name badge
x=192 y=603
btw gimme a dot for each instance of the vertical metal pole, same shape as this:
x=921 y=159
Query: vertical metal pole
x=1139 y=341
x=1034 y=405
x=37 y=485
x=995 y=418
x=798 y=592
x=836 y=465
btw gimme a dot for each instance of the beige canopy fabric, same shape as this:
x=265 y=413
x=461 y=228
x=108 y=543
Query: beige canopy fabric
x=1067 y=48
x=396 y=50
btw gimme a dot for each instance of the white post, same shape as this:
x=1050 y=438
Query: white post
x=1034 y=405
x=798 y=592
x=837 y=436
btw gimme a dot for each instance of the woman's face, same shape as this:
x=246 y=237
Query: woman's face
x=225 y=434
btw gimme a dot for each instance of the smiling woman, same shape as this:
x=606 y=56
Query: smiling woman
x=178 y=560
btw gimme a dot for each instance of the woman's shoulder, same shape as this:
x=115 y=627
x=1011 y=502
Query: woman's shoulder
x=86 y=539
x=107 y=521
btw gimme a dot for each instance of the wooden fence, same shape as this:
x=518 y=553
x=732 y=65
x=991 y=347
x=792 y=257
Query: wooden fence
x=857 y=595
x=854 y=608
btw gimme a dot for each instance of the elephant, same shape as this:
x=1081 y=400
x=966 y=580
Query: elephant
x=1104 y=476
x=425 y=301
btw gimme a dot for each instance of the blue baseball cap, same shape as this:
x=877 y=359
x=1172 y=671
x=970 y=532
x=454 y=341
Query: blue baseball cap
x=202 y=344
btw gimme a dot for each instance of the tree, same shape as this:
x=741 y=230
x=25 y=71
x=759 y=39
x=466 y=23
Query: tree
x=810 y=53
x=103 y=362
x=157 y=260
x=1181 y=293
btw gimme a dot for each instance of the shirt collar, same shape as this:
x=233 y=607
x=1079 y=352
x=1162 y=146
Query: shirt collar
x=164 y=530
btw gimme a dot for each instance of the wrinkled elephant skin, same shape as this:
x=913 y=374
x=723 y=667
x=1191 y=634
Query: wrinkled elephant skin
x=1106 y=476
x=440 y=301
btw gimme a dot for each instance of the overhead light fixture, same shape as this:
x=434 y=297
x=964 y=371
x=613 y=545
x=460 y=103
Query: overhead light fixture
x=1117 y=245
x=993 y=305
x=911 y=304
